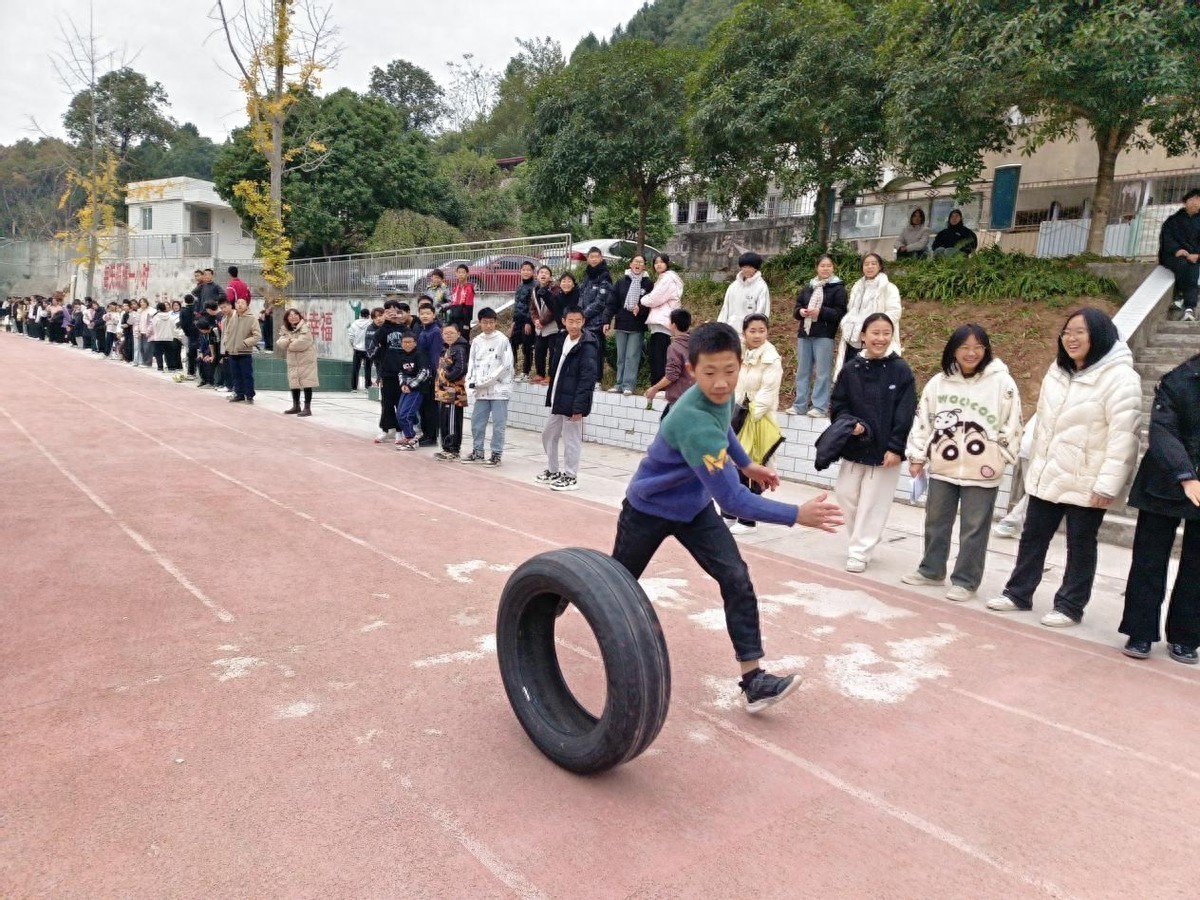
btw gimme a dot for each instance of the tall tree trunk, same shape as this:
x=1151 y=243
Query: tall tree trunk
x=1110 y=144
x=821 y=221
x=644 y=197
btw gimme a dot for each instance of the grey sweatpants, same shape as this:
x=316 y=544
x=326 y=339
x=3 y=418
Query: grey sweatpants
x=571 y=434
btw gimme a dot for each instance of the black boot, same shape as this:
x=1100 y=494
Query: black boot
x=307 y=411
x=294 y=410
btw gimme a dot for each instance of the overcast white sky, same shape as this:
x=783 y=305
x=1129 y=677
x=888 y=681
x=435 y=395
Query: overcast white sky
x=175 y=44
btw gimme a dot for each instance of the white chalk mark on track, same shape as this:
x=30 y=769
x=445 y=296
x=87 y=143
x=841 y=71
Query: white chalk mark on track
x=881 y=805
x=509 y=877
x=169 y=567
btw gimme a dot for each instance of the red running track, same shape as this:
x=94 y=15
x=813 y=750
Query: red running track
x=249 y=656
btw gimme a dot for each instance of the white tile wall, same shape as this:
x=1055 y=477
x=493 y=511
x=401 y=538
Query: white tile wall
x=619 y=421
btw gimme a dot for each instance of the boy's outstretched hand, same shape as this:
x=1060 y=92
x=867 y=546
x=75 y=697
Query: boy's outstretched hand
x=768 y=478
x=820 y=512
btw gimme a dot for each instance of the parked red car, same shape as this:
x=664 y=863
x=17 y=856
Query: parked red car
x=496 y=274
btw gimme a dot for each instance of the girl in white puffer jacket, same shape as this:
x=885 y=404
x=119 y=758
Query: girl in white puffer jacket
x=1084 y=449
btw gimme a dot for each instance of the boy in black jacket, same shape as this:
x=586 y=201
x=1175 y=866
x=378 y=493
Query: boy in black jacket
x=522 y=335
x=574 y=358
x=208 y=351
x=385 y=353
x=414 y=373
x=451 y=390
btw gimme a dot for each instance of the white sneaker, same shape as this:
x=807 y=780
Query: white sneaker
x=815 y=413
x=1003 y=604
x=740 y=528
x=855 y=565
x=1189 y=315
x=627 y=393
x=958 y=593
x=386 y=437
x=613 y=390
x=1055 y=619
x=1003 y=529
x=918 y=578
x=565 y=482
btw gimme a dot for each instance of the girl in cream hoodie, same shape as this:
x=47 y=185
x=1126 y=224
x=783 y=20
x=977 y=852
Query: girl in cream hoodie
x=748 y=295
x=873 y=293
x=967 y=429
x=757 y=393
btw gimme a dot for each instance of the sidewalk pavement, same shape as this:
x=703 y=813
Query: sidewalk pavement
x=605 y=471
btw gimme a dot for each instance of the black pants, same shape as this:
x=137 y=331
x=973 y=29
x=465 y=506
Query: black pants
x=1041 y=522
x=267 y=327
x=601 y=344
x=101 y=340
x=160 y=353
x=520 y=340
x=240 y=369
x=451 y=419
x=206 y=371
x=174 y=355
x=657 y=351
x=541 y=352
x=639 y=535
x=193 y=347
x=127 y=344
x=1147 y=583
x=361 y=361
x=429 y=415
x=1185 y=280
x=389 y=398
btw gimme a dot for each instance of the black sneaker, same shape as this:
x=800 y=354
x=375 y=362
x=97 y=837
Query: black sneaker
x=476 y=456
x=1137 y=649
x=547 y=477
x=1183 y=653
x=237 y=399
x=565 y=482
x=762 y=689
x=493 y=460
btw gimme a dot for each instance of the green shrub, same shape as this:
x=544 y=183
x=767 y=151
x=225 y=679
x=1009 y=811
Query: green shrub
x=992 y=274
x=797 y=264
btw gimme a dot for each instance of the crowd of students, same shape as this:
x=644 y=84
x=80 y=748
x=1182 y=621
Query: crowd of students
x=957 y=434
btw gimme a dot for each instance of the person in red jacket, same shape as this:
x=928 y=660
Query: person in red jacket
x=462 y=302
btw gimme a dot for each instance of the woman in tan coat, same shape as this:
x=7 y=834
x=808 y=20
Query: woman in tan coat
x=295 y=343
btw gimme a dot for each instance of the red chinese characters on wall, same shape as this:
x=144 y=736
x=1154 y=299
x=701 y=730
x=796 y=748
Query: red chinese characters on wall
x=321 y=325
x=126 y=279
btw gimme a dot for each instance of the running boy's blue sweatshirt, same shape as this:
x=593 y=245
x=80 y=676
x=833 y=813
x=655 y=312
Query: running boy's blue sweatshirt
x=694 y=460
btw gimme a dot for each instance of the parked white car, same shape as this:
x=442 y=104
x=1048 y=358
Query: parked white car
x=612 y=249
x=415 y=280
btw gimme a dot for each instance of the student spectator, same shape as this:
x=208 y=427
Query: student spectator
x=820 y=307
x=236 y=289
x=451 y=391
x=414 y=374
x=128 y=331
x=913 y=242
x=873 y=293
x=489 y=385
x=691 y=462
x=630 y=323
x=1179 y=251
x=208 y=352
x=266 y=322
x=462 y=302
x=547 y=320
x=207 y=289
x=112 y=330
x=430 y=345
x=756 y=396
x=678 y=377
x=387 y=342
x=595 y=295
x=573 y=374
x=100 y=329
x=522 y=336
x=369 y=342
x=1084 y=449
x=666 y=296
x=876 y=391
x=142 y=337
x=239 y=337
x=297 y=344
x=439 y=295
x=162 y=332
x=956 y=238
x=175 y=351
x=1165 y=491
x=967 y=430
x=748 y=295
x=356 y=331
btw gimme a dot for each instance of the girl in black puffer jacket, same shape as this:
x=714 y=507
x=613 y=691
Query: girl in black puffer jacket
x=877 y=389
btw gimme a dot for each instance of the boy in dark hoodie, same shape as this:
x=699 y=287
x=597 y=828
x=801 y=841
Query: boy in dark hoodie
x=430 y=346
x=522 y=335
x=387 y=364
x=208 y=351
x=451 y=390
x=414 y=373
x=595 y=296
x=678 y=377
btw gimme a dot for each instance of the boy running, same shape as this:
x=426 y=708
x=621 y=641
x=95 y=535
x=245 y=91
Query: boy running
x=694 y=460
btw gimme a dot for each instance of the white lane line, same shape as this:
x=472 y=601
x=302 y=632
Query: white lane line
x=171 y=569
x=246 y=487
x=508 y=876
x=1079 y=733
x=879 y=804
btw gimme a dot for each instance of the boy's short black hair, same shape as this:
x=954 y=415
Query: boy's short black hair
x=439 y=273
x=212 y=305
x=204 y=323
x=403 y=307
x=754 y=317
x=407 y=336
x=486 y=313
x=714 y=337
x=232 y=270
x=1194 y=192
x=364 y=313
x=208 y=271
x=526 y=263
x=681 y=319
x=425 y=304
x=391 y=304
x=453 y=324
x=462 y=267
x=571 y=309
x=750 y=258
x=377 y=311
x=224 y=301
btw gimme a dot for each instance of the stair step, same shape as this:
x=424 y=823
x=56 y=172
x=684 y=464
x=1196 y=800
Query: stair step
x=1188 y=341
x=1172 y=355
x=1179 y=328
x=1153 y=370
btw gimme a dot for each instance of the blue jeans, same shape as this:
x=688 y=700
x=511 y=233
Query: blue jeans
x=629 y=358
x=408 y=412
x=241 y=373
x=814 y=357
x=498 y=411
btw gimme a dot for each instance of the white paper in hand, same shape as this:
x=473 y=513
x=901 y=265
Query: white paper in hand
x=920 y=485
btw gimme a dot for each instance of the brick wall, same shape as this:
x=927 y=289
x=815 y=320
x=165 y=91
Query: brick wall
x=618 y=421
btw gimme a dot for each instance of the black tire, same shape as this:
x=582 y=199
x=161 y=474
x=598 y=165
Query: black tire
x=636 y=668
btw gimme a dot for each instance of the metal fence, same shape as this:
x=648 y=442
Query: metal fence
x=493 y=267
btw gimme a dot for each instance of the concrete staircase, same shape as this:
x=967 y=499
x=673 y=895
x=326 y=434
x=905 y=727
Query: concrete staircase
x=1171 y=343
